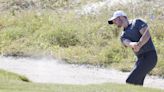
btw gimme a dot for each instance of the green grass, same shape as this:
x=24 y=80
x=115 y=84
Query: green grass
x=82 y=39
x=9 y=76
x=33 y=87
x=11 y=82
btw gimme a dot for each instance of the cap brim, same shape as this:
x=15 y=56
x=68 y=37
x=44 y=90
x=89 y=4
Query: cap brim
x=110 y=21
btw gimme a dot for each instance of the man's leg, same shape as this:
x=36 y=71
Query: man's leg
x=143 y=66
x=135 y=77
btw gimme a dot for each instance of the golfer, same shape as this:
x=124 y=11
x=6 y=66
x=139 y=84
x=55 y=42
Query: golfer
x=136 y=35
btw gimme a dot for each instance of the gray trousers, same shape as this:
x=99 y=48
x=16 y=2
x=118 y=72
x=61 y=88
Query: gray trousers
x=145 y=63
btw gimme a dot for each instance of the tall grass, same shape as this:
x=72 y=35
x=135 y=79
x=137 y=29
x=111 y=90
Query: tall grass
x=83 y=39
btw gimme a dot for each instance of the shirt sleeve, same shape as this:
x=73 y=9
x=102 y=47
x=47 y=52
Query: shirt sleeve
x=140 y=24
x=123 y=37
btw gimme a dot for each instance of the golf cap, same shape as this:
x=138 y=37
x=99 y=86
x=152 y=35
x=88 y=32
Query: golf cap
x=115 y=15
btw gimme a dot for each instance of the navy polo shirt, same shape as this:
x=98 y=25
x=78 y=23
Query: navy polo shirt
x=132 y=32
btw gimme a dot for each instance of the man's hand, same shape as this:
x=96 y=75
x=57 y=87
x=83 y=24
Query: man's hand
x=135 y=46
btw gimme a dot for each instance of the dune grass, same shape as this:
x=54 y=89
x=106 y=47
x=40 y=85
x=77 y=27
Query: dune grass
x=82 y=39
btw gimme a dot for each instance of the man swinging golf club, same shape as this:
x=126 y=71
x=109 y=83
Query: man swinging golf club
x=136 y=35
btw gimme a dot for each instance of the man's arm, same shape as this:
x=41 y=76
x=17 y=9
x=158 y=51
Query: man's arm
x=129 y=43
x=126 y=42
x=145 y=36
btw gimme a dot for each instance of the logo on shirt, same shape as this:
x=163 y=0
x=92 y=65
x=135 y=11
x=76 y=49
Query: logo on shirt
x=142 y=25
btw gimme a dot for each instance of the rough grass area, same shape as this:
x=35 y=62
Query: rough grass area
x=82 y=39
